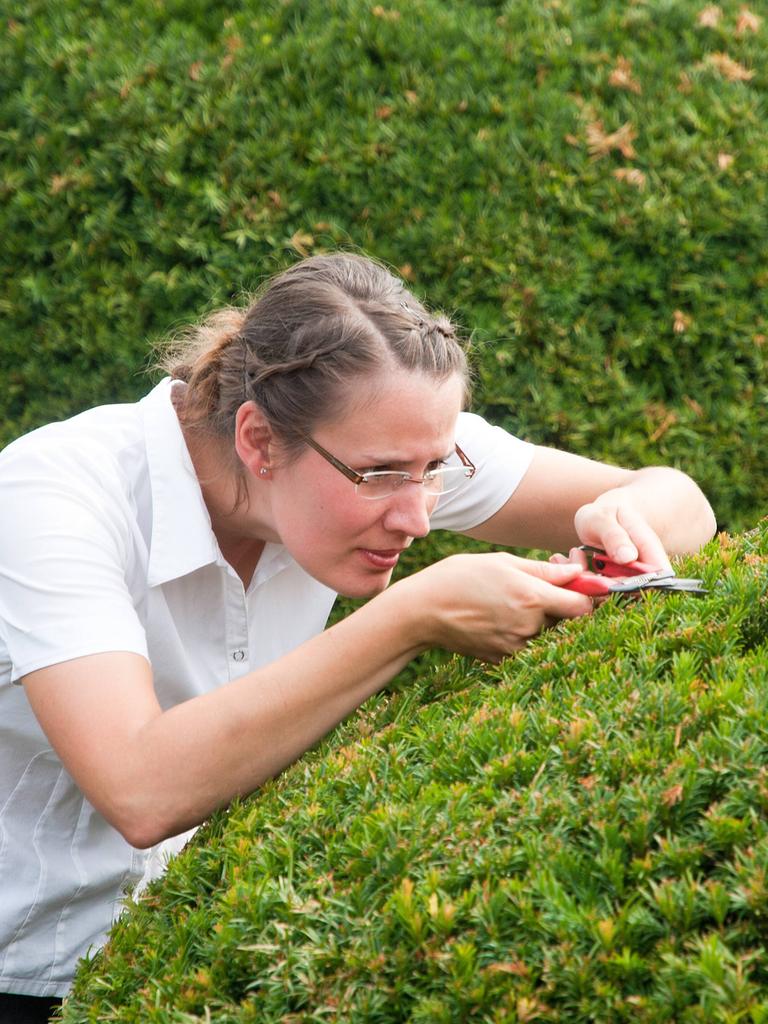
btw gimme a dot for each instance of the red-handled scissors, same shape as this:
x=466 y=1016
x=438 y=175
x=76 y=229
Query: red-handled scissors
x=617 y=578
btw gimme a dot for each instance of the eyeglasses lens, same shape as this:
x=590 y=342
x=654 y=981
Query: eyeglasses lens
x=440 y=481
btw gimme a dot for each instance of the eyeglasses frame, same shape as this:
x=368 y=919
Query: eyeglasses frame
x=360 y=478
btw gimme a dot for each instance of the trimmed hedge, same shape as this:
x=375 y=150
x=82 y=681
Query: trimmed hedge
x=581 y=182
x=577 y=835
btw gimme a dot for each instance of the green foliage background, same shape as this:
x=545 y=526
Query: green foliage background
x=159 y=158
x=580 y=834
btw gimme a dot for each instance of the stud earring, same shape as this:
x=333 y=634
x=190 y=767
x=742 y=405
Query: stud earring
x=263 y=471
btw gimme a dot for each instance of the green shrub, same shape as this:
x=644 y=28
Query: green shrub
x=577 y=835
x=158 y=158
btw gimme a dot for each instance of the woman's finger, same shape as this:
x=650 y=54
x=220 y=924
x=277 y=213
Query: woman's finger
x=646 y=540
x=622 y=533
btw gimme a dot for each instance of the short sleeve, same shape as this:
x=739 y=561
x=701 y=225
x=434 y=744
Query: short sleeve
x=501 y=460
x=65 y=558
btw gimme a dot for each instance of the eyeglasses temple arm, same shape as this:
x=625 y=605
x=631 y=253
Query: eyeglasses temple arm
x=350 y=474
x=466 y=461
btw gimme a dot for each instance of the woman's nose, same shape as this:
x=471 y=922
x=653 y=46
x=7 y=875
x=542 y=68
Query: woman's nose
x=409 y=509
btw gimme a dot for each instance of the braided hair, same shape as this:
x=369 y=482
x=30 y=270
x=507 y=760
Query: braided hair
x=299 y=346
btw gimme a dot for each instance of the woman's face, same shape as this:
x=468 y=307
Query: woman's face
x=397 y=420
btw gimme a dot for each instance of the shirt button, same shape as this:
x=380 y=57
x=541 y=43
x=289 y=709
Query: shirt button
x=238 y=655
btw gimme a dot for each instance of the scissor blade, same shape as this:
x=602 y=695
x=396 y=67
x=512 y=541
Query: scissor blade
x=688 y=586
x=641 y=582
x=597 y=585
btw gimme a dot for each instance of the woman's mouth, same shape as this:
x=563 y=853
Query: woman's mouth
x=381 y=559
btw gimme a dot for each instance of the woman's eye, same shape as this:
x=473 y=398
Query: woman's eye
x=431 y=467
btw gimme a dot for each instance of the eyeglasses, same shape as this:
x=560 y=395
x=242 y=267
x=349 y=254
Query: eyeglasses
x=382 y=483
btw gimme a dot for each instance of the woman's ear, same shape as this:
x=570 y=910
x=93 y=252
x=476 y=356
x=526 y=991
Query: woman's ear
x=253 y=438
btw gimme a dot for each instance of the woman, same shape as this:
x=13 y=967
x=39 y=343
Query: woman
x=167 y=568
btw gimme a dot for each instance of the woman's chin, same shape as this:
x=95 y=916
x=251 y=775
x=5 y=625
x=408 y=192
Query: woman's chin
x=368 y=586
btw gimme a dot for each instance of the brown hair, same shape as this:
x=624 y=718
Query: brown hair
x=300 y=344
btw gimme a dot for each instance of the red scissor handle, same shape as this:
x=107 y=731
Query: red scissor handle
x=608 y=567
x=591 y=584
x=598 y=584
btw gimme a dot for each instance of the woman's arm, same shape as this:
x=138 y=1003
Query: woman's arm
x=155 y=773
x=564 y=500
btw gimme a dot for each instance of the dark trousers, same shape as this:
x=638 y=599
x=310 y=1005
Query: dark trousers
x=26 y=1009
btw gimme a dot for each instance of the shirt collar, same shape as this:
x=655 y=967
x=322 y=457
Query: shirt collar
x=182 y=538
x=274 y=558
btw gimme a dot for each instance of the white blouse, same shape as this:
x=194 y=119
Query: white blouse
x=106 y=545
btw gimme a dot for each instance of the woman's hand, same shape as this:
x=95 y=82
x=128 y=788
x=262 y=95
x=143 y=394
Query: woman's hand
x=614 y=523
x=489 y=605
